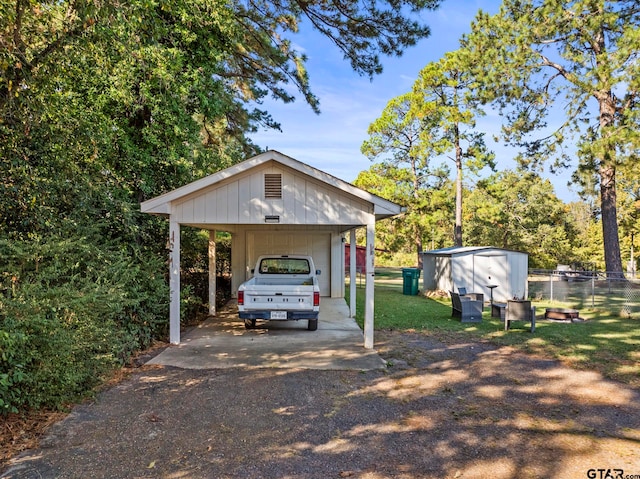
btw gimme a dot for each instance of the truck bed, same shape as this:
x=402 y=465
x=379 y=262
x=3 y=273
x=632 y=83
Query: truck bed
x=288 y=281
x=283 y=288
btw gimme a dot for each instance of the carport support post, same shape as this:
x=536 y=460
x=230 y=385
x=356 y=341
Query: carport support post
x=212 y=273
x=369 y=290
x=352 y=273
x=174 y=281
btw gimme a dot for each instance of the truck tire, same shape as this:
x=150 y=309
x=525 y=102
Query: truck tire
x=249 y=323
x=313 y=325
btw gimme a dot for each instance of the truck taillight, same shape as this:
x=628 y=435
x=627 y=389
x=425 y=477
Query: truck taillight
x=316 y=298
x=241 y=298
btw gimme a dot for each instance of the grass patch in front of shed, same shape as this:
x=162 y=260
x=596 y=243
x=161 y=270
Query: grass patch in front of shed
x=606 y=343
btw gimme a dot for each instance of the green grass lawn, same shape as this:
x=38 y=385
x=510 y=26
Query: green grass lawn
x=605 y=343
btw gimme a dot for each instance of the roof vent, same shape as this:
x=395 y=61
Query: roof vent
x=273 y=185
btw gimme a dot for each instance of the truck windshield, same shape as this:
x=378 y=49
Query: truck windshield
x=284 y=266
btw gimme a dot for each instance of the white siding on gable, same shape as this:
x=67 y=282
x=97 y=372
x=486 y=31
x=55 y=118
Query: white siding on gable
x=312 y=213
x=325 y=207
x=219 y=206
x=297 y=197
x=255 y=199
x=241 y=200
x=244 y=191
x=199 y=209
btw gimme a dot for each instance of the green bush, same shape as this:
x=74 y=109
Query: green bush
x=12 y=371
x=71 y=309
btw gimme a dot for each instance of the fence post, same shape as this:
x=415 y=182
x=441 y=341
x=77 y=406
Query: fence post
x=593 y=292
x=551 y=286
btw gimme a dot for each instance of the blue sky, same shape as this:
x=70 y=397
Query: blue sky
x=349 y=103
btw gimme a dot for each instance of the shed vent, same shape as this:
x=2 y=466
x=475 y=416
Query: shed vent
x=273 y=185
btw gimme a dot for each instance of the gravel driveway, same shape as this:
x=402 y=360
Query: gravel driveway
x=462 y=410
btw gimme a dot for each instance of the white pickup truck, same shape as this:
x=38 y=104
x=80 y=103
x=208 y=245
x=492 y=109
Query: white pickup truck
x=284 y=287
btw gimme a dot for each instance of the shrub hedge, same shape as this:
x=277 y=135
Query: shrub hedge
x=71 y=309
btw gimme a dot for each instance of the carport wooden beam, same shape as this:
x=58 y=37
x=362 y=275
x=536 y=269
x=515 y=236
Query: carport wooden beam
x=212 y=272
x=174 y=281
x=369 y=285
x=352 y=273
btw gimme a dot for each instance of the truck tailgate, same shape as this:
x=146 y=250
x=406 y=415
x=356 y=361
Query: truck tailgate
x=298 y=298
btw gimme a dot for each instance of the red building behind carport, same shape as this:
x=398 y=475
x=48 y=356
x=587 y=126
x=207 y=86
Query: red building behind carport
x=360 y=257
x=361 y=254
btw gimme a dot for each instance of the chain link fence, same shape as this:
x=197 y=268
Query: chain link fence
x=588 y=290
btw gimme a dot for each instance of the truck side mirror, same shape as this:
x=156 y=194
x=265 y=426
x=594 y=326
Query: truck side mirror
x=318 y=272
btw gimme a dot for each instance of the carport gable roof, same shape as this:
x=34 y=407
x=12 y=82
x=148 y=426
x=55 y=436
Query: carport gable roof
x=161 y=205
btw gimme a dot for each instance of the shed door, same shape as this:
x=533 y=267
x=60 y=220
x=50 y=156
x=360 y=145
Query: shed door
x=317 y=245
x=492 y=269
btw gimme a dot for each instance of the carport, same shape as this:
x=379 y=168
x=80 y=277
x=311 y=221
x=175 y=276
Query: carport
x=274 y=204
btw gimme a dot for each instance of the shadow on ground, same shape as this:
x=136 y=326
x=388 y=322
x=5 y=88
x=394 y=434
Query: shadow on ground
x=459 y=411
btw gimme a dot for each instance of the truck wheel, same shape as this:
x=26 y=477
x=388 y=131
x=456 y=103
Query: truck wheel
x=249 y=323
x=313 y=325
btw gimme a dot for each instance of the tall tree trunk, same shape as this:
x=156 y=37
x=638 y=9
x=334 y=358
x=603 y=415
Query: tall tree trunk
x=607 y=170
x=612 y=257
x=457 y=230
x=419 y=248
x=608 y=195
x=416 y=195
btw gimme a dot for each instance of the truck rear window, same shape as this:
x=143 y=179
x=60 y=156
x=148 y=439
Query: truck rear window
x=284 y=266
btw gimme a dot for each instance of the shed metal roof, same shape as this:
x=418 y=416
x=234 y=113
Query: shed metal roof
x=455 y=250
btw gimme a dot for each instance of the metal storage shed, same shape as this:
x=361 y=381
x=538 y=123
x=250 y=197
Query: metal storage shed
x=476 y=268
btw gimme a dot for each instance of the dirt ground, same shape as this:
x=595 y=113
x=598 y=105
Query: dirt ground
x=441 y=410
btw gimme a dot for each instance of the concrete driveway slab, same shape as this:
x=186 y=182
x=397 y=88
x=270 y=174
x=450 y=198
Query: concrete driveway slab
x=223 y=342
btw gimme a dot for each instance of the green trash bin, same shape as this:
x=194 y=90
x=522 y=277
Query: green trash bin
x=410 y=277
